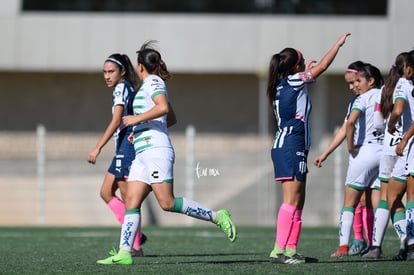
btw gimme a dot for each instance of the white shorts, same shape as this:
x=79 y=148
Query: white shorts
x=376 y=184
x=400 y=169
x=410 y=159
x=363 y=166
x=153 y=166
x=387 y=164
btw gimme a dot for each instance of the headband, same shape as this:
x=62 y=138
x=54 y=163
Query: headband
x=299 y=57
x=351 y=71
x=115 y=61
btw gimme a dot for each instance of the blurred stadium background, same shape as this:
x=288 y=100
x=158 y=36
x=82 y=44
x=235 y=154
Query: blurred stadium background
x=51 y=59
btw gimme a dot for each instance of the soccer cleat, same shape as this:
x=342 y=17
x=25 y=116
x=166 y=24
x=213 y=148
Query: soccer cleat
x=137 y=253
x=226 y=224
x=143 y=239
x=295 y=259
x=357 y=246
x=116 y=259
x=401 y=256
x=373 y=252
x=342 y=251
x=279 y=258
x=410 y=253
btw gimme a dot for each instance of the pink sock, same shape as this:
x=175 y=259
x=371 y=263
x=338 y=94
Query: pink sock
x=137 y=241
x=118 y=208
x=357 y=225
x=296 y=229
x=284 y=224
x=368 y=220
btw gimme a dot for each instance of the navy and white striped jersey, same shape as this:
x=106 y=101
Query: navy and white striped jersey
x=292 y=107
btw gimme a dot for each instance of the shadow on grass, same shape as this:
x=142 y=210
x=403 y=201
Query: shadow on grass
x=201 y=255
x=348 y=260
x=308 y=260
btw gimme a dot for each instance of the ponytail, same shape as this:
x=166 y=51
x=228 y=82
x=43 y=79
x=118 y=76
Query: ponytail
x=396 y=72
x=273 y=79
x=152 y=61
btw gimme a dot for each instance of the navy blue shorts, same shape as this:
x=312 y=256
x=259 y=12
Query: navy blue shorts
x=121 y=163
x=289 y=163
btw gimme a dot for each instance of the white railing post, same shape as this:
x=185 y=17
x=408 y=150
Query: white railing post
x=41 y=151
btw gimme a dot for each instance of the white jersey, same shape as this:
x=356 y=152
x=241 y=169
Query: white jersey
x=152 y=133
x=403 y=91
x=390 y=140
x=365 y=104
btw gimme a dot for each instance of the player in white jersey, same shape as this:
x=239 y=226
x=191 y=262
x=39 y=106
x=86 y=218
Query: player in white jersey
x=364 y=149
x=392 y=167
x=362 y=213
x=152 y=168
x=119 y=74
x=404 y=99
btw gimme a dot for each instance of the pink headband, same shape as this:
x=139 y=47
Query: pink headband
x=351 y=71
x=299 y=57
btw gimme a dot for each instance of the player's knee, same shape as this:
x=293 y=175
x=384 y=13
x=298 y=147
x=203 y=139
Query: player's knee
x=167 y=205
x=106 y=196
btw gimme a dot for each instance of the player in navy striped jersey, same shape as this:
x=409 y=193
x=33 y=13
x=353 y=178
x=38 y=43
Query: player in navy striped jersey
x=287 y=92
x=120 y=75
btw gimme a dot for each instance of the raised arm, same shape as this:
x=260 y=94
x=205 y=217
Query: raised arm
x=320 y=67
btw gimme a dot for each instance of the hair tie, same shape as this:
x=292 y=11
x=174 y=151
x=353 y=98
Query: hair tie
x=394 y=65
x=351 y=70
x=115 y=61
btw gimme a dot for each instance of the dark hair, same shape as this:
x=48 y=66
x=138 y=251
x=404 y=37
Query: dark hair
x=395 y=73
x=357 y=66
x=281 y=66
x=370 y=71
x=130 y=73
x=410 y=62
x=152 y=61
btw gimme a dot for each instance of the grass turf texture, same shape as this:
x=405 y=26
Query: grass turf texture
x=182 y=250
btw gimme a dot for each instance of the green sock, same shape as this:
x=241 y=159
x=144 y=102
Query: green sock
x=124 y=253
x=278 y=250
x=290 y=251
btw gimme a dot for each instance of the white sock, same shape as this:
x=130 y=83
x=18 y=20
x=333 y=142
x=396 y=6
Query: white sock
x=381 y=219
x=400 y=227
x=409 y=218
x=345 y=227
x=129 y=229
x=196 y=210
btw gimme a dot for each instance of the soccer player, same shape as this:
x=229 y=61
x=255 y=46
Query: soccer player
x=287 y=92
x=152 y=168
x=392 y=167
x=404 y=110
x=365 y=151
x=119 y=74
x=362 y=213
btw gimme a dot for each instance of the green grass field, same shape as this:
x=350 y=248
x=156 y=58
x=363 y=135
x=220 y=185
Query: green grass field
x=181 y=250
